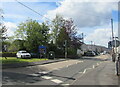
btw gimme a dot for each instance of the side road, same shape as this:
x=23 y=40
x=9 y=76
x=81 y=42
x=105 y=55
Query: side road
x=16 y=65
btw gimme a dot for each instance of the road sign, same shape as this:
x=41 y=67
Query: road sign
x=42 y=49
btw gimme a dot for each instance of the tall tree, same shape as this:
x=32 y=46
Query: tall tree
x=57 y=24
x=3 y=31
x=34 y=33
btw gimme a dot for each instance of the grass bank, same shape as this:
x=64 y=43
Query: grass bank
x=15 y=60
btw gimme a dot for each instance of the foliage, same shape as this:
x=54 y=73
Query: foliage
x=3 y=31
x=17 y=45
x=34 y=34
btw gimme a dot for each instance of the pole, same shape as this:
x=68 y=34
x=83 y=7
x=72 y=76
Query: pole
x=82 y=37
x=91 y=45
x=113 y=53
x=112 y=29
x=65 y=49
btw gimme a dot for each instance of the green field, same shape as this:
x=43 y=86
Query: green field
x=15 y=60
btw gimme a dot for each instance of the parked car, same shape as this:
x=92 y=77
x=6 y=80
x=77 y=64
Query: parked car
x=23 y=54
x=89 y=53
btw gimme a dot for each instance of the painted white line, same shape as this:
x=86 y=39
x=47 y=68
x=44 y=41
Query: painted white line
x=97 y=64
x=65 y=84
x=34 y=74
x=84 y=71
x=43 y=72
x=56 y=81
x=93 y=66
x=80 y=72
x=46 y=77
x=67 y=66
x=89 y=68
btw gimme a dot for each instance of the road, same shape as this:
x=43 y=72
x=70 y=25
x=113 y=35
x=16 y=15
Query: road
x=86 y=71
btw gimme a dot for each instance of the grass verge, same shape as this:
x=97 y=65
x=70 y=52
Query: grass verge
x=10 y=60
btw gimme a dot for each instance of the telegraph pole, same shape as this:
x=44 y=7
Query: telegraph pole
x=113 y=53
x=82 y=37
x=65 y=49
x=112 y=29
x=91 y=45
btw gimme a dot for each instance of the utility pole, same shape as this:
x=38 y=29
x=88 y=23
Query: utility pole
x=91 y=45
x=82 y=37
x=65 y=49
x=113 y=53
x=112 y=29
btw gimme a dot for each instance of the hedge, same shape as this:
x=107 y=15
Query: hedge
x=8 y=54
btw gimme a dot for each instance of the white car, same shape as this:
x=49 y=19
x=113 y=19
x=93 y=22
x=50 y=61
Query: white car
x=23 y=54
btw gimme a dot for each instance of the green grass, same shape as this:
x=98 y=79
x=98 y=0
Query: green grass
x=15 y=60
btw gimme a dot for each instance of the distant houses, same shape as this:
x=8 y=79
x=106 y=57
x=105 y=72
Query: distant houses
x=97 y=48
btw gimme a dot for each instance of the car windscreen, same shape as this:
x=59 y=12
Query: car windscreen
x=23 y=52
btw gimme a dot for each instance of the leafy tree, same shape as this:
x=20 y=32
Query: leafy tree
x=34 y=34
x=3 y=31
x=67 y=31
x=57 y=24
x=17 y=45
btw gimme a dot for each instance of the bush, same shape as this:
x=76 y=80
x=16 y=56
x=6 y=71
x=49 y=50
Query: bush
x=8 y=54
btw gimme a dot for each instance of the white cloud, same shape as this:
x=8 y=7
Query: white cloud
x=29 y=0
x=11 y=27
x=88 y=14
x=100 y=36
x=85 y=13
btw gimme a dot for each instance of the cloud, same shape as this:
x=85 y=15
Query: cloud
x=11 y=27
x=100 y=36
x=30 y=0
x=85 y=13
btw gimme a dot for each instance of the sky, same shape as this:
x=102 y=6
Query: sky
x=91 y=17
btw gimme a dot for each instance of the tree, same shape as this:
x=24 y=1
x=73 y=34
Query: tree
x=34 y=34
x=67 y=31
x=17 y=45
x=57 y=24
x=3 y=31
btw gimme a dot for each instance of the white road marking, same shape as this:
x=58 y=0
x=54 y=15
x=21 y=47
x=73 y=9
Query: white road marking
x=44 y=72
x=67 y=65
x=89 y=68
x=80 y=72
x=65 y=84
x=97 y=64
x=46 y=77
x=56 y=81
x=84 y=71
x=93 y=66
x=34 y=74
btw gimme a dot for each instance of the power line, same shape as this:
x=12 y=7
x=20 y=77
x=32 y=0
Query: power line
x=31 y=9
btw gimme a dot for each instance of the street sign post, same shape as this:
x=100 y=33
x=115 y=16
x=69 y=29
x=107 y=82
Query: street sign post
x=42 y=51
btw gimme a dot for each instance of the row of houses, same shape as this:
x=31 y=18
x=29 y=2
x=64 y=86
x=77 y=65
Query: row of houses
x=88 y=47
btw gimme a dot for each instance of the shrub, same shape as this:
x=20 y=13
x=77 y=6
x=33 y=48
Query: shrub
x=8 y=54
